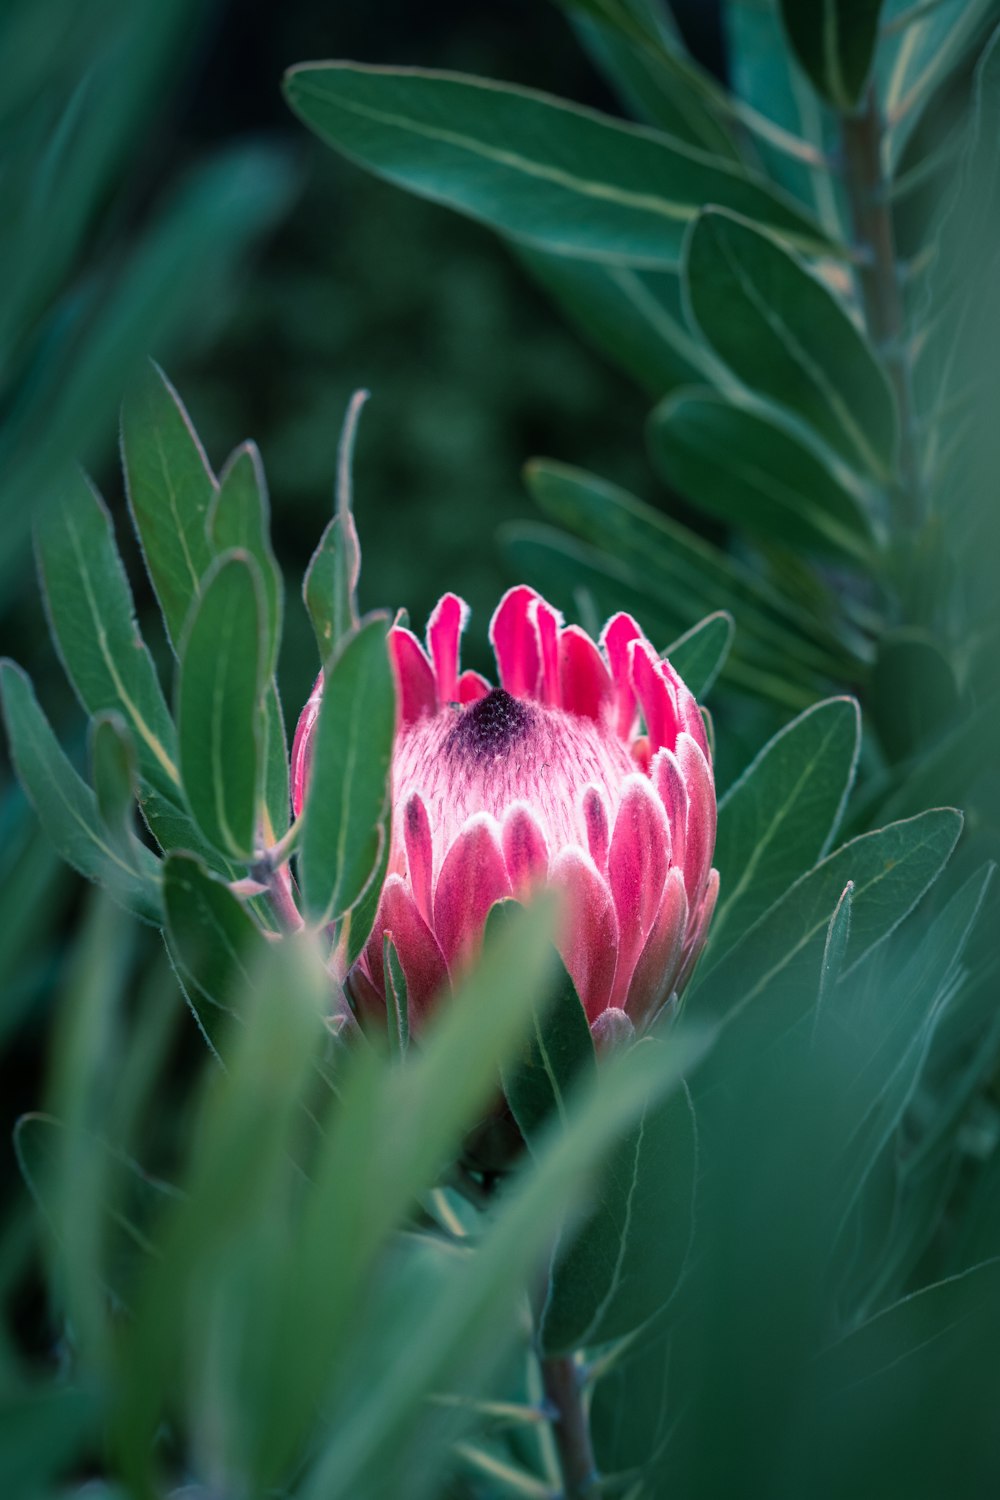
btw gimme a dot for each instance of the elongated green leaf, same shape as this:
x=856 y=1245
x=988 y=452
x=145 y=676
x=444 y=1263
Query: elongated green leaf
x=782 y=813
x=239 y=517
x=330 y=587
x=557 y=176
x=700 y=653
x=277 y=801
x=834 y=41
x=558 y=1054
x=113 y=773
x=92 y=618
x=835 y=950
x=784 y=334
x=131 y=1198
x=654 y=82
x=747 y=468
x=215 y=944
x=67 y=808
x=44 y=1432
x=683 y=572
x=917 y=59
x=622 y=1264
x=891 y=869
x=170 y=490
x=345 y=813
x=633 y=316
x=219 y=694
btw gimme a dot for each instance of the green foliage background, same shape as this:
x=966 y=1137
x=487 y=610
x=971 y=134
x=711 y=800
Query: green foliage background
x=285 y=1274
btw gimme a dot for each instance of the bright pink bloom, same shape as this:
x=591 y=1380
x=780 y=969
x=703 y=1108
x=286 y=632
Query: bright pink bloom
x=588 y=769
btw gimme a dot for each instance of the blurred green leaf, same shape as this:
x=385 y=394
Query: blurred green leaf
x=621 y=1264
x=785 y=335
x=635 y=317
x=916 y=61
x=891 y=869
x=835 y=43
x=215 y=944
x=782 y=813
x=67 y=808
x=92 y=618
x=113 y=773
x=838 y=935
x=131 y=1200
x=345 y=813
x=558 y=1054
x=557 y=176
x=684 y=577
x=330 y=587
x=913 y=691
x=171 y=490
x=699 y=655
x=45 y=1430
x=219 y=694
x=750 y=469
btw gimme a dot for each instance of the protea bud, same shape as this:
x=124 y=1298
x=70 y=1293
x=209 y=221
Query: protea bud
x=588 y=769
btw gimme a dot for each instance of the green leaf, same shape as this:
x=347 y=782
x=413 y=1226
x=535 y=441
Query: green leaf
x=913 y=691
x=219 y=693
x=700 y=653
x=113 y=773
x=239 y=519
x=170 y=490
x=344 y=828
x=360 y=919
x=685 y=574
x=92 y=618
x=634 y=317
x=916 y=60
x=748 y=468
x=330 y=587
x=45 y=1430
x=834 y=40
x=838 y=936
x=891 y=869
x=632 y=47
x=397 y=1000
x=622 y=1264
x=67 y=808
x=786 y=336
x=215 y=944
x=558 y=1053
x=559 y=177
x=781 y=815
x=277 y=802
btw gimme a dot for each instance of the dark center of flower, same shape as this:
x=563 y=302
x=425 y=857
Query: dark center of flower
x=490 y=727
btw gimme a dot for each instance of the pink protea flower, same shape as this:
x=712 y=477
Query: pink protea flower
x=588 y=770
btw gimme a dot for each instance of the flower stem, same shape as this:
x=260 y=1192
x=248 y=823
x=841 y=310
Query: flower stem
x=878 y=270
x=278 y=893
x=570 y=1428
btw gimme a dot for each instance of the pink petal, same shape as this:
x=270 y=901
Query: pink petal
x=668 y=779
x=616 y=637
x=514 y=638
x=588 y=932
x=655 y=694
x=656 y=970
x=595 y=818
x=473 y=877
x=585 y=684
x=548 y=622
x=444 y=630
x=471 y=687
x=524 y=849
x=638 y=860
x=419 y=853
x=419 y=956
x=368 y=1003
x=302 y=746
x=701 y=817
x=414 y=676
x=692 y=720
x=642 y=752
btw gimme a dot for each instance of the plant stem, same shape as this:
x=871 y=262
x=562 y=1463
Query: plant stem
x=279 y=894
x=570 y=1428
x=878 y=276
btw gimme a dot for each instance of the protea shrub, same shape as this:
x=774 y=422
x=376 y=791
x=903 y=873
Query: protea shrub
x=587 y=770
